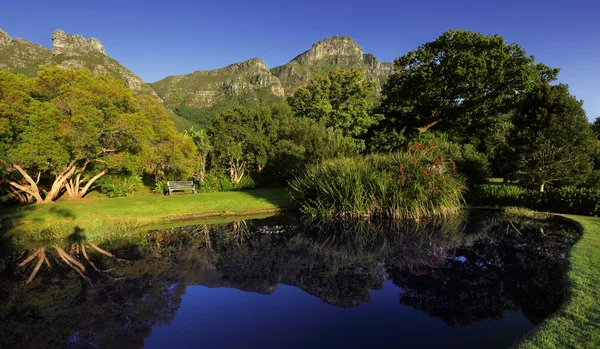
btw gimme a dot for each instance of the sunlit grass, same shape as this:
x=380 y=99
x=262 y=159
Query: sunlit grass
x=95 y=218
x=577 y=323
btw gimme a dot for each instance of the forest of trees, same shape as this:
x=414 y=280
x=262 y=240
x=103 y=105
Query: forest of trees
x=481 y=102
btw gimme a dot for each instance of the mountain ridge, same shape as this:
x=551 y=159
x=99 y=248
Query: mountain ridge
x=200 y=89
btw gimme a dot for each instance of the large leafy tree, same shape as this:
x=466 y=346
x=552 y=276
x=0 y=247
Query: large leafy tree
x=64 y=129
x=341 y=99
x=172 y=154
x=552 y=141
x=462 y=83
x=243 y=138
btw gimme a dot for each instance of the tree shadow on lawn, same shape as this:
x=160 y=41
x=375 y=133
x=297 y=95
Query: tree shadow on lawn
x=13 y=216
x=277 y=197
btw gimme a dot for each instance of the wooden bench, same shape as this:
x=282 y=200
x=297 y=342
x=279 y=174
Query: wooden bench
x=181 y=186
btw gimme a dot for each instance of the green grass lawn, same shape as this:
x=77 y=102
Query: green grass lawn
x=577 y=323
x=99 y=217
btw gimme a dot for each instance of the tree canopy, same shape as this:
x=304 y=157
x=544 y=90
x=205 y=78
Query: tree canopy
x=343 y=99
x=461 y=83
x=552 y=141
x=66 y=127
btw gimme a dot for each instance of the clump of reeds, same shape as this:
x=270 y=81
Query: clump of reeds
x=413 y=184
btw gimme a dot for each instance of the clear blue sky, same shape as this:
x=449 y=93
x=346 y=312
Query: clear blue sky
x=159 y=38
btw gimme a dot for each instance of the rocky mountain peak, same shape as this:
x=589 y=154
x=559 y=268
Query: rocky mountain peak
x=253 y=63
x=4 y=38
x=331 y=47
x=63 y=43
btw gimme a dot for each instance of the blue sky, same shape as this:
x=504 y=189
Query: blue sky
x=159 y=38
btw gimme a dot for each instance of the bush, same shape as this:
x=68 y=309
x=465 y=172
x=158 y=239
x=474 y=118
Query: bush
x=581 y=201
x=217 y=181
x=471 y=163
x=160 y=187
x=405 y=185
x=118 y=185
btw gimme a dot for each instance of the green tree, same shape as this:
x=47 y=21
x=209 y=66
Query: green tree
x=64 y=129
x=461 y=83
x=243 y=138
x=204 y=147
x=552 y=141
x=342 y=99
x=302 y=141
x=172 y=153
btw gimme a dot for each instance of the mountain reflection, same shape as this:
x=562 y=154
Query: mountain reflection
x=462 y=271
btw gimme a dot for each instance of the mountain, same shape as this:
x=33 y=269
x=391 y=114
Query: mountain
x=252 y=78
x=204 y=88
x=335 y=52
x=22 y=56
x=197 y=96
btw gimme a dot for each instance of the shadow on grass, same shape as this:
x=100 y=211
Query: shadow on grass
x=12 y=217
x=277 y=197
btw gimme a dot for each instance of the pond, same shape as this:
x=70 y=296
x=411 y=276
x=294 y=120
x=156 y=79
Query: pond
x=481 y=281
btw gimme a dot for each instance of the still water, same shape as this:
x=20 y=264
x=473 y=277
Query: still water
x=481 y=281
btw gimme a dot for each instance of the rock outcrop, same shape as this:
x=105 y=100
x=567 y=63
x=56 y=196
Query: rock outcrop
x=63 y=43
x=335 y=52
x=22 y=56
x=4 y=38
x=204 y=88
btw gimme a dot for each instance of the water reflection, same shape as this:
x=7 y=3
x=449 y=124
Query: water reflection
x=462 y=272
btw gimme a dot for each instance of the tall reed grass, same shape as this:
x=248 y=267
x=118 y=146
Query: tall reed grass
x=415 y=184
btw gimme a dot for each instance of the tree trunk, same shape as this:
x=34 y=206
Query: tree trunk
x=542 y=187
x=73 y=185
x=31 y=188
x=236 y=170
x=88 y=185
x=59 y=182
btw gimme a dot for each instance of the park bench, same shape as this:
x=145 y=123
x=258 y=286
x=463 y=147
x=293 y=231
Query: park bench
x=181 y=186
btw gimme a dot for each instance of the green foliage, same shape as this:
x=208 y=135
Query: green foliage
x=160 y=187
x=580 y=201
x=406 y=185
x=204 y=148
x=463 y=80
x=70 y=125
x=305 y=141
x=244 y=138
x=342 y=99
x=469 y=162
x=119 y=185
x=552 y=141
x=217 y=181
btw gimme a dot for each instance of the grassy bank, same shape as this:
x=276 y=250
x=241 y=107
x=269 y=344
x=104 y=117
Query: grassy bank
x=97 y=218
x=577 y=323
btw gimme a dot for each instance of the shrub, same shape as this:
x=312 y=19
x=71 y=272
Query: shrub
x=160 y=187
x=582 y=201
x=404 y=185
x=118 y=185
x=471 y=163
x=217 y=181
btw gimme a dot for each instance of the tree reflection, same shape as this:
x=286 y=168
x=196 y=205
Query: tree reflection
x=462 y=271
x=514 y=266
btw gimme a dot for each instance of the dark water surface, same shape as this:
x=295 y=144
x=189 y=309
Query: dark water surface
x=478 y=282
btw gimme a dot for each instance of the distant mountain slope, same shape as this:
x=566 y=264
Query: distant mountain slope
x=196 y=97
x=335 y=52
x=204 y=88
x=22 y=56
x=201 y=94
